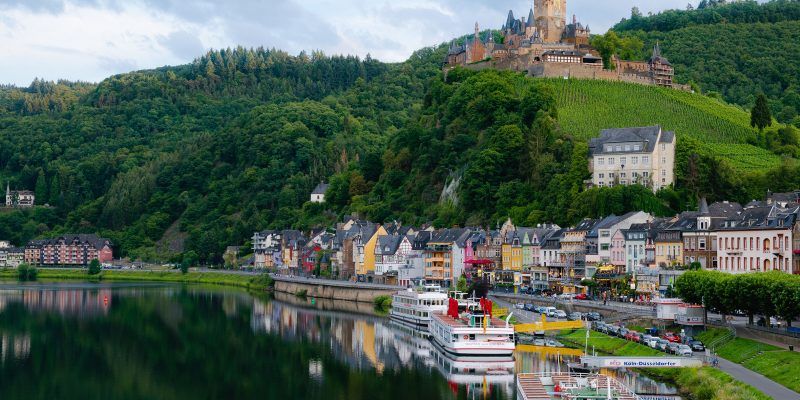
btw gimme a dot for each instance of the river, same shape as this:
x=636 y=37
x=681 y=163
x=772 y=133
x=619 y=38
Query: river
x=167 y=341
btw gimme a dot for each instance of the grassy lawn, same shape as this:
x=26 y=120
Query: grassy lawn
x=711 y=334
x=245 y=281
x=738 y=349
x=610 y=345
x=711 y=383
x=781 y=366
x=695 y=383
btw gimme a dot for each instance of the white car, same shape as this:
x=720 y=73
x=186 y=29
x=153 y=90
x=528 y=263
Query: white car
x=684 y=351
x=560 y=314
x=520 y=306
x=653 y=342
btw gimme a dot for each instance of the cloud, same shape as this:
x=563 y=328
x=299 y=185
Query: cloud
x=182 y=44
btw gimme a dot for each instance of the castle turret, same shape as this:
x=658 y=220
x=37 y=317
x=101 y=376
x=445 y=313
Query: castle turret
x=551 y=19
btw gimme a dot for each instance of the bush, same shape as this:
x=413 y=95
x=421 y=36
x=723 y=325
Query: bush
x=26 y=272
x=301 y=293
x=94 y=267
x=382 y=302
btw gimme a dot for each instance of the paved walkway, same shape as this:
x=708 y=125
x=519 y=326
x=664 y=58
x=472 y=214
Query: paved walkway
x=758 y=381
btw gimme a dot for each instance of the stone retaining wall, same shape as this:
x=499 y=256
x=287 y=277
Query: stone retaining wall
x=321 y=290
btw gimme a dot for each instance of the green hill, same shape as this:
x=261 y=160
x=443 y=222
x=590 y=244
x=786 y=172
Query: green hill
x=736 y=50
x=201 y=155
x=586 y=106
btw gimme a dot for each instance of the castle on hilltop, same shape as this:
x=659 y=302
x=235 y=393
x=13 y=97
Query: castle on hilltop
x=544 y=45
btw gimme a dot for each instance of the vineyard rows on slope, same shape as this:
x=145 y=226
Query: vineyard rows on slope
x=587 y=106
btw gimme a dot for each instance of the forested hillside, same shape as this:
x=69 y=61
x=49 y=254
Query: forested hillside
x=233 y=142
x=197 y=157
x=735 y=50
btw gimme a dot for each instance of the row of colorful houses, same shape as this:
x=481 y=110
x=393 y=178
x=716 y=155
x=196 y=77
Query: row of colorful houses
x=759 y=236
x=64 y=250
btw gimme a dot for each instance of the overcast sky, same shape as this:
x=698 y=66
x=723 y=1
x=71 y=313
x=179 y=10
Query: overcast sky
x=92 y=39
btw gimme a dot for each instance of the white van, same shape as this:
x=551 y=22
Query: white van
x=549 y=311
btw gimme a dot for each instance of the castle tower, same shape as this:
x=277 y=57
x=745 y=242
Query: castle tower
x=478 y=51
x=551 y=19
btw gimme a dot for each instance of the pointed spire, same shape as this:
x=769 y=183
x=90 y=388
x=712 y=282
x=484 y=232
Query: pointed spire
x=657 y=50
x=704 y=206
x=510 y=20
x=530 y=16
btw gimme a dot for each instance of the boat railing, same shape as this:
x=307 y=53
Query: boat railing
x=623 y=392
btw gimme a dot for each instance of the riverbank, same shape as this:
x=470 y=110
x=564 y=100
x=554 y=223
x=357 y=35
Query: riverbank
x=774 y=363
x=696 y=383
x=252 y=282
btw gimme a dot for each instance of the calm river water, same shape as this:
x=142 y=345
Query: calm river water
x=158 y=341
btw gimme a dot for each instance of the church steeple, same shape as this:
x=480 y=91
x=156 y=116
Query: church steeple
x=657 y=50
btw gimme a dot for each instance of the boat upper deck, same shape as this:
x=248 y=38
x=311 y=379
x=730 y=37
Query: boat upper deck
x=542 y=386
x=463 y=322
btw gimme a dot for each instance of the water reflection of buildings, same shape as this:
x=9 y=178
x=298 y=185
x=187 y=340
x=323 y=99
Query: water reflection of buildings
x=376 y=343
x=68 y=302
x=14 y=347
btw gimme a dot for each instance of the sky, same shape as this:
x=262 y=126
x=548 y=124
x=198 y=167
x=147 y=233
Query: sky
x=89 y=40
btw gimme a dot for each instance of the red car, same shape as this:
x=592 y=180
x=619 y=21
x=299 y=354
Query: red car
x=581 y=296
x=672 y=337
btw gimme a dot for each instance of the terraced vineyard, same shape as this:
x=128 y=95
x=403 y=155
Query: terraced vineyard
x=587 y=106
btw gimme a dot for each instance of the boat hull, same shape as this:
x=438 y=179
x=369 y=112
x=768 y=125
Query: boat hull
x=473 y=351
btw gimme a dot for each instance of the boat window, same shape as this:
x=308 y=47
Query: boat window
x=472 y=337
x=454 y=338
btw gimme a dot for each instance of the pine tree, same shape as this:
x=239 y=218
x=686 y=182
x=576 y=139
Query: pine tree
x=760 y=116
x=41 y=187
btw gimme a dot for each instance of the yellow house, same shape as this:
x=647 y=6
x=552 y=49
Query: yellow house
x=505 y=251
x=368 y=265
x=512 y=254
x=669 y=248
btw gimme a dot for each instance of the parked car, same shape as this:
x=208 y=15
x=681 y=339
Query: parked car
x=629 y=335
x=623 y=332
x=684 y=351
x=581 y=296
x=613 y=330
x=594 y=316
x=520 y=306
x=672 y=347
x=598 y=325
x=549 y=311
x=672 y=337
x=529 y=307
x=697 y=345
x=662 y=344
x=574 y=316
x=560 y=314
x=565 y=296
x=652 y=342
x=636 y=337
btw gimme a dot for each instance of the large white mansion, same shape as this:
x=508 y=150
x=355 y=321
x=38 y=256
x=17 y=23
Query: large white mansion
x=629 y=156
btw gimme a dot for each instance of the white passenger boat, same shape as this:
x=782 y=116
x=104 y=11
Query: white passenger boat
x=473 y=332
x=416 y=305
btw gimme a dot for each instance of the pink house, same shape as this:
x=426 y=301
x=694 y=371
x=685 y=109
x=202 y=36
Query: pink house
x=618 y=249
